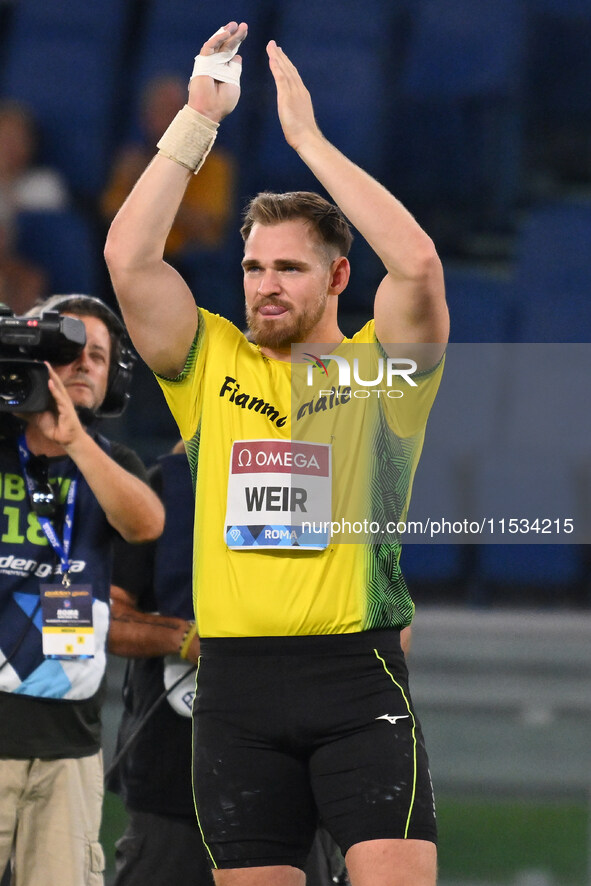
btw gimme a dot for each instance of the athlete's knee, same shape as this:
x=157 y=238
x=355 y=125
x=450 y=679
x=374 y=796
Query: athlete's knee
x=273 y=875
x=392 y=863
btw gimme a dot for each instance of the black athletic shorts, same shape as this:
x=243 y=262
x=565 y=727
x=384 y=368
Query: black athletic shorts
x=288 y=730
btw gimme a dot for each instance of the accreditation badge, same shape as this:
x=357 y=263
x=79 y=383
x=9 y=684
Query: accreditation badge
x=279 y=495
x=67 y=629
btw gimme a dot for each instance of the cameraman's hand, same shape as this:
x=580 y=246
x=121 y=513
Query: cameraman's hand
x=129 y=504
x=61 y=424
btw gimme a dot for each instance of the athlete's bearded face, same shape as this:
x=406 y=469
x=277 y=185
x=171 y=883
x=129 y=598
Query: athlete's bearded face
x=286 y=283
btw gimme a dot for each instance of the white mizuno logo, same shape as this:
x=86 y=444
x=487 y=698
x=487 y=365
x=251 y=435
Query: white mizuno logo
x=392 y=719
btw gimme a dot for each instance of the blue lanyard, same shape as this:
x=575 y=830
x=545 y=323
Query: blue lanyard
x=62 y=547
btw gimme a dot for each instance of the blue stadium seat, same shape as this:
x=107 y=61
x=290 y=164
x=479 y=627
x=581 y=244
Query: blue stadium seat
x=479 y=304
x=552 y=275
x=558 y=100
x=545 y=392
x=345 y=76
x=462 y=50
x=458 y=124
x=551 y=566
x=441 y=564
x=528 y=481
x=6 y=10
x=572 y=9
x=465 y=416
x=63 y=61
x=65 y=245
x=563 y=318
x=559 y=63
x=526 y=574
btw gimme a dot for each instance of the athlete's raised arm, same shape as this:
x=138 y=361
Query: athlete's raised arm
x=410 y=302
x=158 y=307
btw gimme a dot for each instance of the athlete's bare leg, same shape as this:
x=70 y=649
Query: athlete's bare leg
x=392 y=863
x=275 y=875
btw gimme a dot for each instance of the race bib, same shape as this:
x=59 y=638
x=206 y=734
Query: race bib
x=279 y=491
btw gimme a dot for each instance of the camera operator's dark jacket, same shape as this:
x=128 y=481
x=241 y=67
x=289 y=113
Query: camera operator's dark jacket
x=50 y=708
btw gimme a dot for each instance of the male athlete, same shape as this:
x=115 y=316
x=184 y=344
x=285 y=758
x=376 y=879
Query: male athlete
x=302 y=708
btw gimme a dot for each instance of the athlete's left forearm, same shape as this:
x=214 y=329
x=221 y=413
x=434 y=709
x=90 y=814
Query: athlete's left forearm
x=395 y=236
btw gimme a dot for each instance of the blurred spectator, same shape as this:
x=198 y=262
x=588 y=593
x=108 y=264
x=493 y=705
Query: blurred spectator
x=21 y=284
x=204 y=213
x=23 y=184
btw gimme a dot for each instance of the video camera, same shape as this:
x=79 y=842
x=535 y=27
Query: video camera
x=25 y=342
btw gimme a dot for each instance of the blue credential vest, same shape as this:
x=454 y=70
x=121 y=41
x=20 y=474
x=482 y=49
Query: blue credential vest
x=28 y=560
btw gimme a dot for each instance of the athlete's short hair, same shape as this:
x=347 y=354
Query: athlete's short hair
x=326 y=220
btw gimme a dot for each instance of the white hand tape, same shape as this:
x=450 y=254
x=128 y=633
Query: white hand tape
x=219 y=65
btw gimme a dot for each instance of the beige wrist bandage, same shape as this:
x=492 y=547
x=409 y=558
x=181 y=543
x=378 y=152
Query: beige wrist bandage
x=189 y=139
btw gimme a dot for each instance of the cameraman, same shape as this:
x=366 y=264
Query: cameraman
x=65 y=493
